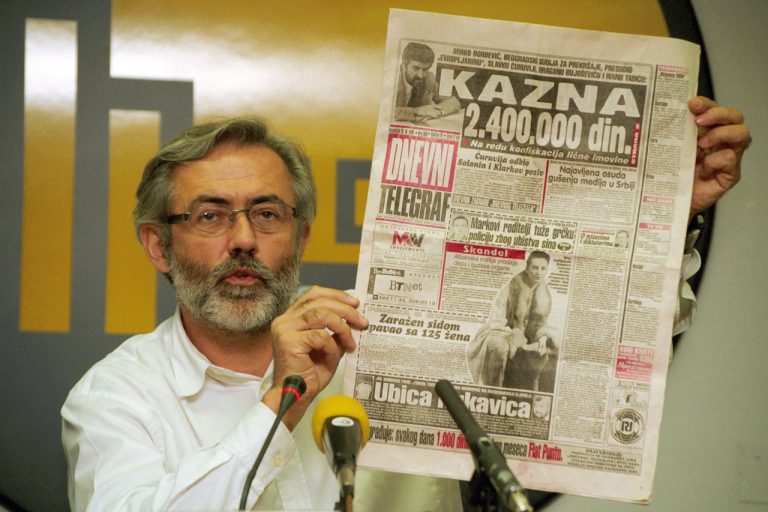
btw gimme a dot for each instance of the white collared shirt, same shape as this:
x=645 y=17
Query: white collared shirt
x=156 y=426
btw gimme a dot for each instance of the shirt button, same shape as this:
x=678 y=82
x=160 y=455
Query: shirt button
x=277 y=460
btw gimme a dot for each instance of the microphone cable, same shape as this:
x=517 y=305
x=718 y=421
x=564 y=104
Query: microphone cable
x=293 y=387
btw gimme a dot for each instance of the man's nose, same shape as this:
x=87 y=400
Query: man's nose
x=242 y=236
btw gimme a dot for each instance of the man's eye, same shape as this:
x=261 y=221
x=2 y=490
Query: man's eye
x=209 y=216
x=268 y=214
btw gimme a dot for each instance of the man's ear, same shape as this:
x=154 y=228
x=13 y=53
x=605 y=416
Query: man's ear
x=152 y=240
x=304 y=236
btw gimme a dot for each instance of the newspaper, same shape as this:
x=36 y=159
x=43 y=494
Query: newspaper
x=523 y=238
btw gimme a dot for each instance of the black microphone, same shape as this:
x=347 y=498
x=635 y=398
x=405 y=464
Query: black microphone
x=340 y=427
x=487 y=456
x=293 y=387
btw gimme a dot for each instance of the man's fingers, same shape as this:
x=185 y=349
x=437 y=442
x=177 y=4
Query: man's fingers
x=723 y=162
x=322 y=344
x=720 y=116
x=709 y=114
x=310 y=338
x=328 y=320
x=722 y=139
x=316 y=292
x=735 y=136
x=311 y=353
x=338 y=302
x=322 y=310
x=699 y=104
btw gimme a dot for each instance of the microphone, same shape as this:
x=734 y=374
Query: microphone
x=340 y=428
x=293 y=387
x=488 y=458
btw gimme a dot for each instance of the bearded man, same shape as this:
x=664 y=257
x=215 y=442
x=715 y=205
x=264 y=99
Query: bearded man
x=174 y=419
x=417 y=97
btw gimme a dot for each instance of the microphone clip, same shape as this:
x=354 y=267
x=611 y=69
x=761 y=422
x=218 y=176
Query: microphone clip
x=483 y=496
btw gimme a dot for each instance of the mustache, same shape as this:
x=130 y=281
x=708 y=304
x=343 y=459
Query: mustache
x=246 y=261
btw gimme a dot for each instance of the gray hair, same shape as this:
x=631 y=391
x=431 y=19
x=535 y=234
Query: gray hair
x=155 y=191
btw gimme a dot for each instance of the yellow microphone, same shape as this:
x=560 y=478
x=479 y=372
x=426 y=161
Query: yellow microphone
x=340 y=427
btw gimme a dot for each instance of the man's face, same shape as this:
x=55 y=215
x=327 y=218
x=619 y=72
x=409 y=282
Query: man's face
x=363 y=390
x=460 y=227
x=241 y=280
x=537 y=269
x=415 y=72
x=540 y=406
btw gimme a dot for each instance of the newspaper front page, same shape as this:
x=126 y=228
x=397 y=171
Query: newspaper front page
x=523 y=238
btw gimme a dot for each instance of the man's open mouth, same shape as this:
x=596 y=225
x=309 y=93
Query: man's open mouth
x=242 y=277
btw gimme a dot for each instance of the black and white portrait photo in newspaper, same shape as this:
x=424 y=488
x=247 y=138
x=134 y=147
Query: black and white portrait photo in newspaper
x=517 y=347
x=417 y=89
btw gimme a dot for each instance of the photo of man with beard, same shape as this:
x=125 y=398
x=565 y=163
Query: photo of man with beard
x=417 y=97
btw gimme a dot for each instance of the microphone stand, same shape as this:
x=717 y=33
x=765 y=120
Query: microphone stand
x=482 y=495
x=492 y=475
x=345 y=473
x=340 y=428
x=344 y=504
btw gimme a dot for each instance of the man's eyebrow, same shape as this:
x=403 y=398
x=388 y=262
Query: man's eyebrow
x=266 y=198
x=201 y=199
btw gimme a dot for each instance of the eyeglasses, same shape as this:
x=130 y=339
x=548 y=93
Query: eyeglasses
x=213 y=219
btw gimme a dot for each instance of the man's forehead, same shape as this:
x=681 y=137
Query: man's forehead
x=234 y=170
x=225 y=148
x=425 y=65
x=227 y=160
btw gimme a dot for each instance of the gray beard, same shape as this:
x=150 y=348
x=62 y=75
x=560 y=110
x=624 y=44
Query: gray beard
x=233 y=308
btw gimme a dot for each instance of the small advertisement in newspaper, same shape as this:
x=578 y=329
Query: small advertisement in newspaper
x=523 y=239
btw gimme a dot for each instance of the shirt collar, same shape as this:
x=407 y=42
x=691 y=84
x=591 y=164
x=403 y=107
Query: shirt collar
x=191 y=367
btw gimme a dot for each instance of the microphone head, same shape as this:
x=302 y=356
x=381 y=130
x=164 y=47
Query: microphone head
x=335 y=406
x=294 y=384
x=293 y=387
